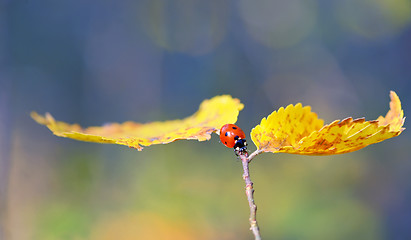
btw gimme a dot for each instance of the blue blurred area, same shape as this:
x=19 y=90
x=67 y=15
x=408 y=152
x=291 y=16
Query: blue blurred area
x=94 y=62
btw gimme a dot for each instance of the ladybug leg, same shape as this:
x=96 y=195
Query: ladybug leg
x=236 y=151
x=239 y=151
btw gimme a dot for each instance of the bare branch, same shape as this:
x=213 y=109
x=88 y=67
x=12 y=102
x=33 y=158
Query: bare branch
x=249 y=191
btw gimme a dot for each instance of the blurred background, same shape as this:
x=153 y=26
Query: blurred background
x=93 y=62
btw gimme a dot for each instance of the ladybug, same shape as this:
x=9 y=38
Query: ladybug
x=233 y=137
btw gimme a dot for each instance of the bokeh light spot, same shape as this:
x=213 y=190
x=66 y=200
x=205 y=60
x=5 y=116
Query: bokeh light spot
x=374 y=19
x=194 y=27
x=278 y=24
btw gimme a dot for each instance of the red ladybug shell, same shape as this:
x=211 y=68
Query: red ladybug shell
x=229 y=134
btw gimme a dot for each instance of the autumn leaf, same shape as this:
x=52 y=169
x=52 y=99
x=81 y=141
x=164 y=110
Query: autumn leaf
x=212 y=114
x=297 y=130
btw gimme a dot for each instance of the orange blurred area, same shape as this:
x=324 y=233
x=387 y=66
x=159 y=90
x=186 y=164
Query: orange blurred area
x=145 y=226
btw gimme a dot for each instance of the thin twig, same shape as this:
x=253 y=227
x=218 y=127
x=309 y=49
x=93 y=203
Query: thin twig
x=249 y=191
x=252 y=155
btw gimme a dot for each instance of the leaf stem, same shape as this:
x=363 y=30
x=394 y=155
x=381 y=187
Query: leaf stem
x=252 y=155
x=249 y=191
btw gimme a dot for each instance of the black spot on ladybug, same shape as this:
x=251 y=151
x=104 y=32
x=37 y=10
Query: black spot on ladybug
x=225 y=142
x=234 y=127
x=236 y=137
x=226 y=134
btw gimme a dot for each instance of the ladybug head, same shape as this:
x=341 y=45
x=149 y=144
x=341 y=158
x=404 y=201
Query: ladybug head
x=240 y=145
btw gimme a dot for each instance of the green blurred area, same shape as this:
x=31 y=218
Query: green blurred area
x=199 y=186
x=96 y=62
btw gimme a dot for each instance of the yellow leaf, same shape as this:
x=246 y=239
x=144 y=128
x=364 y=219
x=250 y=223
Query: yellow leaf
x=297 y=130
x=212 y=114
